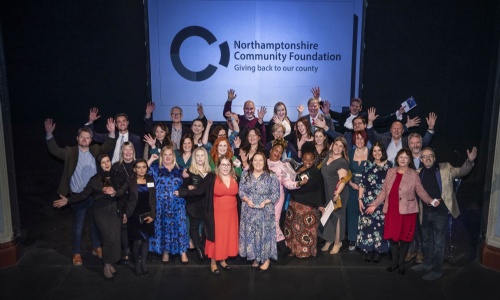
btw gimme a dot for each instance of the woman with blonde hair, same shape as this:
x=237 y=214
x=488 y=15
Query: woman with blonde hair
x=170 y=221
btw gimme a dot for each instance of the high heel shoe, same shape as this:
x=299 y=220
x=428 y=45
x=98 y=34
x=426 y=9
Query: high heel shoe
x=255 y=266
x=215 y=271
x=225 y=267
x=262 y=270
x=326 y=247
x=336 y=248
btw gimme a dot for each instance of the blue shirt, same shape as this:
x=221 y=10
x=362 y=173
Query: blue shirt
x=85 y=168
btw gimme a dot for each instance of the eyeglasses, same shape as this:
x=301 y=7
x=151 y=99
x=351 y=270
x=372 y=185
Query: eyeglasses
x=225 y=165
x=427 y=156
x=176 y=114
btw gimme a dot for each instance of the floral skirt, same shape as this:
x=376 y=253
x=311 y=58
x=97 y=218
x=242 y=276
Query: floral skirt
x=301 y=229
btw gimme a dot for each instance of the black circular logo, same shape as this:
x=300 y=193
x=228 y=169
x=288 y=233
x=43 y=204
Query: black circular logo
x=205 y=34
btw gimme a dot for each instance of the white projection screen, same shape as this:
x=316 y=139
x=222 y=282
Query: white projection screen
x=267 y=51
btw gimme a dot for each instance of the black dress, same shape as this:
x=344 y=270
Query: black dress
x=136 y=229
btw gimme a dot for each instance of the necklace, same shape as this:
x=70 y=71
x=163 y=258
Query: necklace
x=357 y=152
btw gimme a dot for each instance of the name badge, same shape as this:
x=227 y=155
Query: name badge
x=151 y=184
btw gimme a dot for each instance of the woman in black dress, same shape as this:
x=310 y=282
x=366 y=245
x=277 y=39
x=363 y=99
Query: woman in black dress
x=104 y=188
x=141 y=209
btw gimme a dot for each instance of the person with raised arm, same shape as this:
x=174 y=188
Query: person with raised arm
x=248 y=120
x=79 y=167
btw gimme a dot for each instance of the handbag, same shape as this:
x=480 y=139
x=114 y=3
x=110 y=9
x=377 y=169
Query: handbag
x=142 y=217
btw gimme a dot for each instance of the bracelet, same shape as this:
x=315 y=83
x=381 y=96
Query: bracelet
x=360 y=199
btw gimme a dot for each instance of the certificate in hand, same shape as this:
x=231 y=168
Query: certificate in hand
x=409 y=104
x=328 y=211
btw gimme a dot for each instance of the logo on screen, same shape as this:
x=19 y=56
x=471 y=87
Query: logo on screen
x=205 y=34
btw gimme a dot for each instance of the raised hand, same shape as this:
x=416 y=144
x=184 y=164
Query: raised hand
x=325 y=108
x=320 y=123
x=237 y=142
x=401 y=110
x=209 y=123
x=200 y=109
x=372 y=114
x=150 y=141
x=431 y=121
x=412 y=122
x=316 y=92
x=231 y=95
x=300 y=109
x=93 y=115
x=276 y=119
x=150 y=108
x=472 y=154
x=261 y=112
x=49 y=127
x=110 y=126
x=228 y=114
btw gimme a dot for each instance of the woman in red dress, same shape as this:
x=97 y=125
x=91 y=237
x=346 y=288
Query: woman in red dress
x=401 y=207
x=221 y=213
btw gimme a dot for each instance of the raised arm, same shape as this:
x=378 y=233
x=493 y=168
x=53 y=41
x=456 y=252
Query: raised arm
x=54 y=149
x=148 y=118
x=231 y=95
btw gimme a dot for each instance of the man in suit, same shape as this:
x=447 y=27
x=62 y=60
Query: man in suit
x=176 y=129
x=437 y=180
x=122 y=135
x=394 y=140
x=79 y=167
x=314 y=108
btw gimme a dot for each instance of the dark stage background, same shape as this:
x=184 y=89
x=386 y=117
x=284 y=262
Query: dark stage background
x=64 y=57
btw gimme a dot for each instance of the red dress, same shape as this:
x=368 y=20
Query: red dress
x=226 y=222
x=398 y=227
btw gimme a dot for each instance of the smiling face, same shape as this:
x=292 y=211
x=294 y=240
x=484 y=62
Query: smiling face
x=197 y=127
x=358 y=124
x=200 y=158
x=160 y=133
x=355 y=107
x=281 y=111
x=403 y=160
x=222 y=148
x=308 y=160
x=428 y=158
x=359 y=141
x=249 y=109
x=106 y=164
x=313 y=107
x=276 y=153
x=167 y=157
x=187 y=146
x=128 y=153
x=415 y=144
x=176 y=115
x=396 y=130
x=319 y=137
x=258 y=162
x=377 y=153
x=121 y=123
x=141 y=168
x=337 y=148
x=301 y=128
x=253 y=138
x=224 y=167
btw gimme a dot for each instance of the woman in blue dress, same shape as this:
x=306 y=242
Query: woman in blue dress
x=357 y=160
x=259 y=190
x=371 y=226
x=171 y=235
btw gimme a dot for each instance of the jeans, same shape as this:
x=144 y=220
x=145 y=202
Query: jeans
x=80 y=210
x=433 y=235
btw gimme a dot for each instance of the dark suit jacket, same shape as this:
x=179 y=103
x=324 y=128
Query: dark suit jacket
x=385 y=138
x=133 y=195
x=70 y=157
x=134 y=139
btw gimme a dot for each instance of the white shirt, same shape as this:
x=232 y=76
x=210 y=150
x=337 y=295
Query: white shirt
x=393 y=149
x=348 y=121
x=121 y=138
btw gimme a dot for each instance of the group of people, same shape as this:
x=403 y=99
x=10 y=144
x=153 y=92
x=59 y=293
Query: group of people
x=260 y=191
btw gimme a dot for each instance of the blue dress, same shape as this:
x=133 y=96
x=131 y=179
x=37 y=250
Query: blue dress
x=371 y=227
x=257 y=238
x=170 y=222
x=353 y=203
